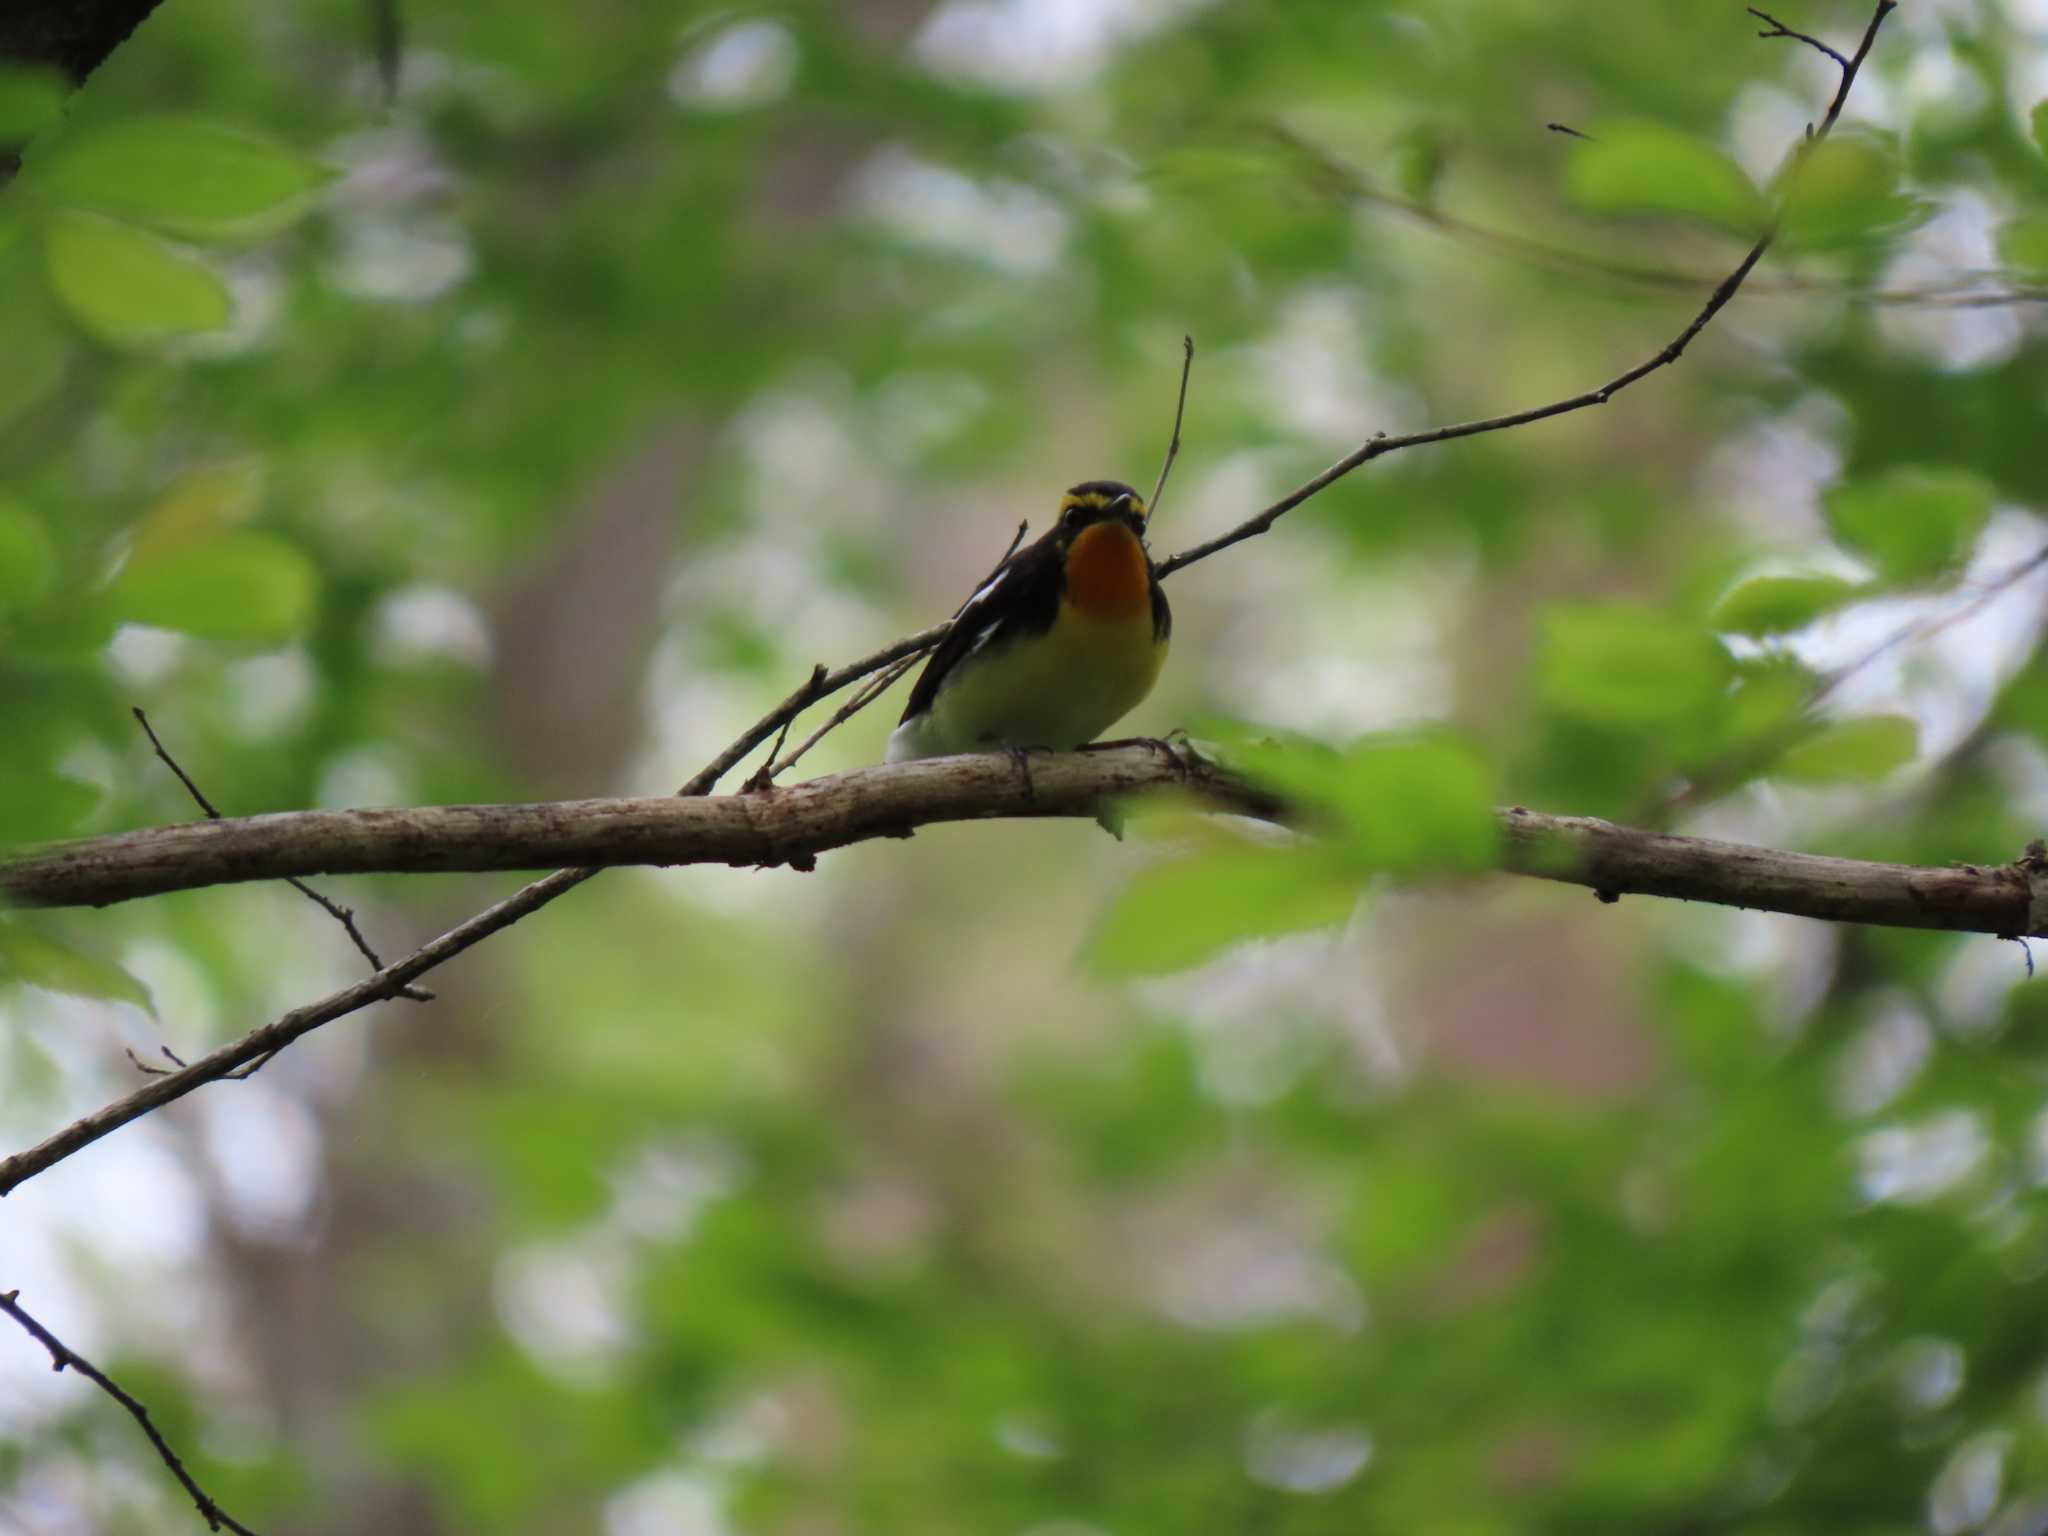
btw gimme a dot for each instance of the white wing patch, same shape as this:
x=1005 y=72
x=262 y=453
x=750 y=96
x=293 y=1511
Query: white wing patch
x=971 y=617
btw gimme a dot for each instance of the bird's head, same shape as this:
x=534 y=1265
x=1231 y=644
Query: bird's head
x=1100 y=501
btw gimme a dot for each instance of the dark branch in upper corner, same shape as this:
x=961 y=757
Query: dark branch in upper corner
x=64 y=1357
x=74 y=36
x=345 y=916
x=1672 y=350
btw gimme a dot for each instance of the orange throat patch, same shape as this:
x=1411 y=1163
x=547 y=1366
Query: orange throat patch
x=1108 y=576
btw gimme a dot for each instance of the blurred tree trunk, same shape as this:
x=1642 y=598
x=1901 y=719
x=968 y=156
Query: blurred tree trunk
x=572 y=634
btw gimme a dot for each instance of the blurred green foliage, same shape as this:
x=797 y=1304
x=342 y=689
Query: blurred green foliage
x=531 y=432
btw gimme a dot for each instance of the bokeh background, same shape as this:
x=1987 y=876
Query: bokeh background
x=525 y=426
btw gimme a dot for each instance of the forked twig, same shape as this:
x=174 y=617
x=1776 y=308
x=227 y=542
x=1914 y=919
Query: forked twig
x=764 y=775
x=873 y=689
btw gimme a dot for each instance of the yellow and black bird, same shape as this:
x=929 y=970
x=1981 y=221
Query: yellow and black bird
x=1064 y=640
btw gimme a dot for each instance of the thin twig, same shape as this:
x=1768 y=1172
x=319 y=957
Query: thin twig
x=1015 y=539
x=1342 y=179
x=1671 y=352
x=814 y=689
x=1723 y=774
x=343 y=915
x=1928 y=626
x=266 y=1039
x=1180 y=407
x=873 y=689
x=1570 y=132
x=762 y=776
x=150 y=1068
x=64 y=1357
x=1779 y=29
x=171 y=763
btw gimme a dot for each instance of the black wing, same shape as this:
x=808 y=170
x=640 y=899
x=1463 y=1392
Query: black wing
x=1023 y=597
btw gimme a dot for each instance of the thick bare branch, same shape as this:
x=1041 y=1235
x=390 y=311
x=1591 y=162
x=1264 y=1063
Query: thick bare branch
x=794 y=825
x=784 y=825
x=2008 y=900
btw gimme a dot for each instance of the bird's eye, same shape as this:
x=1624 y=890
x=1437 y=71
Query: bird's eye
x=1072 y=516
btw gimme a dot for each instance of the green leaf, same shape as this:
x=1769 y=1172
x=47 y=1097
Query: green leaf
x=1768 y=696
x=1410 y=803
x=202 y=505
x=2038 y=118
x=1640 y=166
x=31 y=956
x=1852 y=751
x=1911 y=522
x=30 y=98
x=1635 y=668
x=185 y=176
x=28 y=557
x=126 y=287
x=1417 y=160
x=37 y=804
x=1178 y=914
x=2023 y=245
x=1777 y=605
x=34 y=340
x=246 y=587
x=1845 y=191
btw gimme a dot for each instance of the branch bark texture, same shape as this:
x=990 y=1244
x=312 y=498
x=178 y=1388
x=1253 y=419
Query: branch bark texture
x=794 y=825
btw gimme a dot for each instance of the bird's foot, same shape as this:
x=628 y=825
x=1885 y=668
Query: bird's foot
x=1173 y=747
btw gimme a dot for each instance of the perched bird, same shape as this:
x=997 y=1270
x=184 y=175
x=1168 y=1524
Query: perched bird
x=1058 y=645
